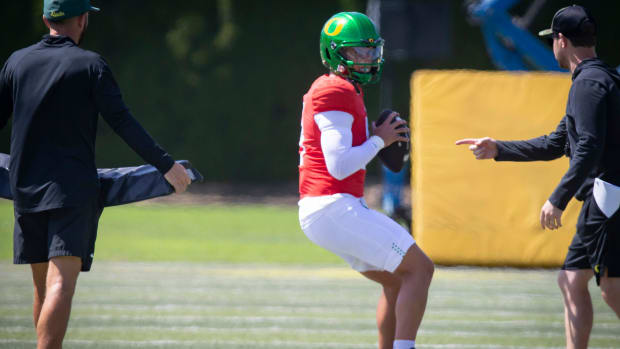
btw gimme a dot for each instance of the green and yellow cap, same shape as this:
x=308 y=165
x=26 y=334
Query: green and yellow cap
x=57 y=10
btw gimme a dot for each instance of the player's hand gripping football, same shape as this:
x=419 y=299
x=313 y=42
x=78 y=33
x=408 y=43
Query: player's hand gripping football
x=483 y=148
x=388 y=130
x=178 y=178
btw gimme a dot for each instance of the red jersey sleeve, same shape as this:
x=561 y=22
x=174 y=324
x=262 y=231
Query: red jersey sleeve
x=335 y=97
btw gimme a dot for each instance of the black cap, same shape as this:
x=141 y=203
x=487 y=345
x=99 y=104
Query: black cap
x=569 y=21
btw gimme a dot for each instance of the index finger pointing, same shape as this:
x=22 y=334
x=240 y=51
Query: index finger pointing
x=466 y=141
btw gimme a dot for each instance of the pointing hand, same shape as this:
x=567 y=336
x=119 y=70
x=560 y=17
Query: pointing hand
x=483 y=148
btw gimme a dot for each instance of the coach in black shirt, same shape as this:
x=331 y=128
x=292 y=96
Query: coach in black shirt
x=589 y=134
x=55 y=91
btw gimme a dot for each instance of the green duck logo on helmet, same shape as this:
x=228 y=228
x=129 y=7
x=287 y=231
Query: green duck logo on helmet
x=352 y=48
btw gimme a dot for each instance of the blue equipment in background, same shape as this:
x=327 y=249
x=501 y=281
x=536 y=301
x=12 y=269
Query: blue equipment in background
x=392 y=187
x=510 y=45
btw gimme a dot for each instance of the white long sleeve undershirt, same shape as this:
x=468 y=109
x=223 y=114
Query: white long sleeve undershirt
x=341 y=157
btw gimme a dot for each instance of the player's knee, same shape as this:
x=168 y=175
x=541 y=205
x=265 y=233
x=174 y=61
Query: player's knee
x=572 y=283
x=427 y=268
x=568 y=284
x=562 y=281
x=420 y=269
x=60 y=287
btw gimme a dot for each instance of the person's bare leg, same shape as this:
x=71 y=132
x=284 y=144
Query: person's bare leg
x=610 y=290
x=578 y=312
x=39 y=276
x=386 y=308
x=62 y=276
x=415 y=272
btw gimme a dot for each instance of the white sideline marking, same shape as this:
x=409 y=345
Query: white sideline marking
x=271 y=344
x=170 y=318
x=276 y=329
x=285 y=308
x=370 y=311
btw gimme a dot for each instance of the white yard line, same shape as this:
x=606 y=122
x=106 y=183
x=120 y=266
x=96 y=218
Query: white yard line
x=480 y=333
x=272 y=344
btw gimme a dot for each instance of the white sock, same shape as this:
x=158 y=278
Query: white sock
x=403 y=344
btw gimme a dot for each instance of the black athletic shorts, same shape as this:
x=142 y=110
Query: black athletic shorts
x=596 y=245
x=69 y=231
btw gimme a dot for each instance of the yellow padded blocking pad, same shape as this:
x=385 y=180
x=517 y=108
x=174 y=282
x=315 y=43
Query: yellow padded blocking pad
x=469 y=211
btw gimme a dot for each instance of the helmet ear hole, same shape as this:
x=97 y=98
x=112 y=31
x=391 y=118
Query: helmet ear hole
x=327 y=54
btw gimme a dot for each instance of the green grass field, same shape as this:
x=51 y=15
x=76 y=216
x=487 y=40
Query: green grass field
x=246 y=277
x=233 y=234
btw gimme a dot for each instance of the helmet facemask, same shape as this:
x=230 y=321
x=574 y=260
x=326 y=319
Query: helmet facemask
x=361 y=63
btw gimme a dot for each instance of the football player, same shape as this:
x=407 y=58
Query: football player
x=334 y=148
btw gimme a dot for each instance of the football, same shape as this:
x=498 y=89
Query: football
x=395 y=155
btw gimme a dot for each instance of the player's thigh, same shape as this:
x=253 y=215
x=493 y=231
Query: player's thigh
x=63 y=271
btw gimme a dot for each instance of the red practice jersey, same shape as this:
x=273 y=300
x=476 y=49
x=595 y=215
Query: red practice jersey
x=329 y=93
